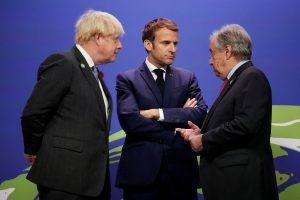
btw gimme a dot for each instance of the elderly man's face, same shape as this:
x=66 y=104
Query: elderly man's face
x=108 y=49
x=218 y=60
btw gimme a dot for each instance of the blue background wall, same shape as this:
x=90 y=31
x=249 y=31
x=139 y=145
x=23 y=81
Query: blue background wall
x=31 y=30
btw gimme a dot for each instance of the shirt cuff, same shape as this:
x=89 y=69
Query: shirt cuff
x=161 y=115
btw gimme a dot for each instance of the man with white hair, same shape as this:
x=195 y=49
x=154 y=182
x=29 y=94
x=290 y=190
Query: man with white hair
x=234 y=141
x=66 y=121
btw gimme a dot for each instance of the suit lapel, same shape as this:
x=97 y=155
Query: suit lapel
x=169 y=83
x=225 y=90
x=149 y=80
x=108 y=96
x=88 y=74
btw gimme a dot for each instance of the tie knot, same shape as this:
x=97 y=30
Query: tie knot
x=159 y=73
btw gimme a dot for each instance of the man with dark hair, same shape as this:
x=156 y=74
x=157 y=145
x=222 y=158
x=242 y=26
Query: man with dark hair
x=152 y=100
x=234 y=141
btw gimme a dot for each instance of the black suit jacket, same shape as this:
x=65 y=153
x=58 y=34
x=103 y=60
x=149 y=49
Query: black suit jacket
x=236 y=162
x=64 y=123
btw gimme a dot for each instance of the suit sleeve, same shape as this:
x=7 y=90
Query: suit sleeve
x=54 y=76
x=129 y=115
x=180 y=116
x=250 y=106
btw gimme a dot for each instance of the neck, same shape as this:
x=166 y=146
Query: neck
x=88 y=47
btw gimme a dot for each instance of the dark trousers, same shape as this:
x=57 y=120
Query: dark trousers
x=161 y=189
x=46 y=193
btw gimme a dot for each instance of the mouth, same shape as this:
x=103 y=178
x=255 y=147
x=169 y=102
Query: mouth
x=215 y=71
x=171 y=57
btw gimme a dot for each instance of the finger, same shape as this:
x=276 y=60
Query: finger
x=142 y=112
x=191 y=103
x=179 y=130
x=187 y=103
x=30 y=159
x=194 y=103
x=193 y=100
x=192 y=125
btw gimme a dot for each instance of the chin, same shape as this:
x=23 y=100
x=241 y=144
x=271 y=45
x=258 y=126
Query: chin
x=217 y=75
x=112 y=59
x=169 y=63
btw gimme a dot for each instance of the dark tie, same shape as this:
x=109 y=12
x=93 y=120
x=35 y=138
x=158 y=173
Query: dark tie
x=224 y=85
x=160 y=80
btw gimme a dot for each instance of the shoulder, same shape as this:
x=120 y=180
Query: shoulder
x=254 y=73
x=182 y=73
x=132 y=72
x=180 y=70
x=253 y=77
x=62 y=61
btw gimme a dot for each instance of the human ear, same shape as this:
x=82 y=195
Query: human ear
x=228 y=52
x=148 y=45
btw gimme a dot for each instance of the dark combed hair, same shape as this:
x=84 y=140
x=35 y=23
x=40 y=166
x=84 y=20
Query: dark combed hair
x=156 y=24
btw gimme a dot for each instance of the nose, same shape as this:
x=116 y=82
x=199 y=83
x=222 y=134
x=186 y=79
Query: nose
x=173 y=48
x=119 y=46
x=210 y=62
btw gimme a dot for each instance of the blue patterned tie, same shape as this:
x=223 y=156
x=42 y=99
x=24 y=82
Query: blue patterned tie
x=95 y=72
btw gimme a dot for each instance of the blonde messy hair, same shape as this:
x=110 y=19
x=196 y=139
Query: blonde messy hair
x=96 y=22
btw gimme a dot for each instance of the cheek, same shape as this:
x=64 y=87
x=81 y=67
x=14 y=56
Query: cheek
x=160 y=51
x=157 y=54
x=112 y=50
x=216 y=63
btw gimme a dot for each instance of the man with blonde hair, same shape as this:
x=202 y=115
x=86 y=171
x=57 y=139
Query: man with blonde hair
x=66 y=121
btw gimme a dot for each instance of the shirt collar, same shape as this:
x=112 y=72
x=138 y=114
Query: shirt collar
x=152 y=67
x=235 y=67
x=86 y=56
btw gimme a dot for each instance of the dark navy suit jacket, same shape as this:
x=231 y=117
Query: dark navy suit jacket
x=148 y=140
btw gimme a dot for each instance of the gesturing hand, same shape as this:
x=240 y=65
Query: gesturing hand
x=192 y=135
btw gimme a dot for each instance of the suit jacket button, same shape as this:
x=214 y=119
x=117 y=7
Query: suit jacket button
x=105 y=152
